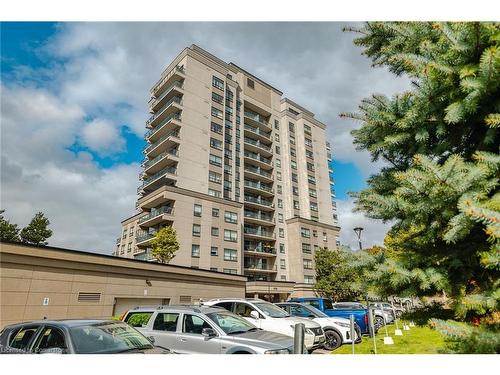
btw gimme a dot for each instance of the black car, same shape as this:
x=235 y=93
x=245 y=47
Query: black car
x=75 y=337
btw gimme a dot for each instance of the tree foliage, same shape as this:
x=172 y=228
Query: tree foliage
x=164 y=245
x=440 y=144
x=8 y=231
x=37 y=231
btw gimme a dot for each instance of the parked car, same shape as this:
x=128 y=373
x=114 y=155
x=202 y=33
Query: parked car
x=386 y=306
x=75 y=337
x=337 y=330
x=270 y=317
x=325 y=305
x=381 y=317
x=204 y=329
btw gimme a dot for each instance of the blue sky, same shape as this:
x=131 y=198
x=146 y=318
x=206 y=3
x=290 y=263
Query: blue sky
x=74 y=97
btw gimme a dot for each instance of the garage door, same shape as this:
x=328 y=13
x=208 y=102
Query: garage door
x=124 y=304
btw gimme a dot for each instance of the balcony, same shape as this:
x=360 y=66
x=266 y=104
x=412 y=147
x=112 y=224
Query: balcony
x=173 y=105
x=259 y=133
x=151 y=182
x=257 y=146
x=170 y=138
x=159 y=162
x=159 y=87
x=256 y=172
x=166 y=125
x=155 y=103
x=258 y=159
x=144 y=239
x=258 y=218
x=260 y=203
x=259 y=187
x=156 y=216
x=256 y=267
x=258 y=232
x=259 y=252
x=253 y=118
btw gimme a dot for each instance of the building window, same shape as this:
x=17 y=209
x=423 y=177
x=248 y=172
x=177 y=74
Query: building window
x=216 y=128
x=131 y=233
x=250 y=83
x=214 y=177
x=195 y=251
x=213 y=269
x=282 y=248
x=281 y=232
x=292 y=152
x=215 y=160
x=228 y=169
x=214 y=193
x=291 y=127
x=129 y=247
x=310 y=167
x=278 y=176
x=325 y=237
x=228 y=185
x=311 y=180
x=308 y=142
x=276 y=124
x=280 y=218
x=217 y=98
x=308 y=279
x=295 y=177
x=278 y=163
x=215 y=231
x=306 y=248
x=295 y=190
x=196 y=230
x=279 y=189
x=309 y=154
x=217 y=82
x=276 y=137
x=231 y=255
x=304 y=232
x=283 y=277
x=215 y=212
x=296 y=205
x=293 y=164
x=313 y=206
x=282 y=264
x=215 y=143
x=231 y=271
x=214 y=251
x=307 y=129
x=197 y=210
x=278 y=150
x=308 y=264
x=280 y=203
x=315 y=233
x=231 y=217
x=230 y=235
x=312 y=193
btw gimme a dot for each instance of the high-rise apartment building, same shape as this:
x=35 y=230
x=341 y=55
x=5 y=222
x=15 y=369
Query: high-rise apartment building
x=239 y=171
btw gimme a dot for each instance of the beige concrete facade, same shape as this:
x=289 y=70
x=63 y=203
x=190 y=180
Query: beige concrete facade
x=221 y=138
x=38 y=282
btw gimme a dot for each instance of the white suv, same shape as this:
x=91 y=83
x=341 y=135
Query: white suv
x=270 y=317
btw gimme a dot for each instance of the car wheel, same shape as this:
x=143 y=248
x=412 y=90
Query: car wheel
x=379 y=321
x=332 y=340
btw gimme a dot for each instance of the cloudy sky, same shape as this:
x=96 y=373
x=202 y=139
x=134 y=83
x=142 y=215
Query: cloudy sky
x=74 y=102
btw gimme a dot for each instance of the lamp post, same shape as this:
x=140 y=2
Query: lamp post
x=358 y=231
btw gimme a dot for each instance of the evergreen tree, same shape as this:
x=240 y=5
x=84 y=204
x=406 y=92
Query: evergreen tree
x=165 y=244
x=440 y=144
x=37 y=231
x=8 y=231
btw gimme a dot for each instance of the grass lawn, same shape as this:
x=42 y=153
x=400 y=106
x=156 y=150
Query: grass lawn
x=418 y=340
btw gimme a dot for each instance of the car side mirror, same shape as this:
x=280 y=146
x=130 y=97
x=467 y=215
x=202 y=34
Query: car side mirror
x=52 y=351
x=151 y=339
x=254 y=314
x=208 y=333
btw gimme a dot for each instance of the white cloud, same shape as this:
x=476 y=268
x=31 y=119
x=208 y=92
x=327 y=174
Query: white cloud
x=374 y=230
x=102 y=137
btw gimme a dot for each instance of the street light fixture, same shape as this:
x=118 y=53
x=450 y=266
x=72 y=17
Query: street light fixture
x=358 y=231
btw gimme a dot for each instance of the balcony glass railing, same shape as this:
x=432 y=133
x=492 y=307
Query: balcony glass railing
x=262 y=201
x=175 y=99
x=178 y=84
x=258 y=170
x=173 y=133
x=144 y=237
x=174 y=116
x=164 y=171
x=164 y=79
x=257 y=232
x=255 y=117
x=259 y=216
x=257 y=266
x=258 y=131
x=171 y=152
x=255 y=156
x=257 y=143
x=267 y=250
x=157 y=212
x=258 y=185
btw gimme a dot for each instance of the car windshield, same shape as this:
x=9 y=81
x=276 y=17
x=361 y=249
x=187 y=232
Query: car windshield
x=231 y=323
x=316 y=312
x=108 y=337
x=271 y=310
